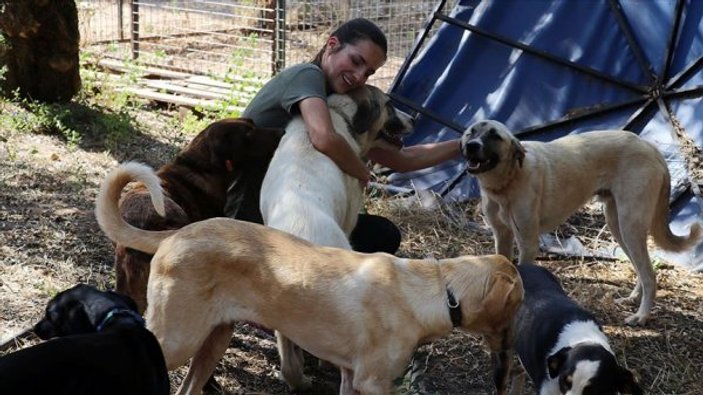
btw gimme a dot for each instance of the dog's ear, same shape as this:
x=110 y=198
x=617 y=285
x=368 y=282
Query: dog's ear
x=627 y=382
x=499 y=293
x=518 y=151
x=230 y=144
x=367 y=112
x=248 y=121
x=556 y=361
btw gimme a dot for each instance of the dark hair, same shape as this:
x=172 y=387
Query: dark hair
x=354 y=30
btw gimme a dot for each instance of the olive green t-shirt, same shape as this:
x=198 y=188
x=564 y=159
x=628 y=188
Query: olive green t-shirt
x=277 y=101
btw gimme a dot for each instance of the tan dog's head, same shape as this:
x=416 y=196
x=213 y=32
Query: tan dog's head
x=372 y=118
x=224 y=143
x=487 y=144
x=489 y=290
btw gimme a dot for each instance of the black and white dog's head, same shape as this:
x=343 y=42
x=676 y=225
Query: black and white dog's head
x=588 y=368
x=84 y=309
x=372 y=118
x=487 y=144
x=561 y=345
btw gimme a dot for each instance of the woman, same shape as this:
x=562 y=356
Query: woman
x=350 y=56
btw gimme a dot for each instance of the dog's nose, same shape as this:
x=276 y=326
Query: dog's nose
x=471 y=148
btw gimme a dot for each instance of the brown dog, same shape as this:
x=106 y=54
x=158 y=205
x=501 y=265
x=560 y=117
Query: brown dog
x=195 y=184
x=532 y=187
x=365 y=313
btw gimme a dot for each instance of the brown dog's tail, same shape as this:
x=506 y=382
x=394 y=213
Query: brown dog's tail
x=661 y=233
x=108 y=214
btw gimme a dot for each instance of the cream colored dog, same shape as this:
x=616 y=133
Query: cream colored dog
x=532 y=187
x=365 y=313
x=305 y=194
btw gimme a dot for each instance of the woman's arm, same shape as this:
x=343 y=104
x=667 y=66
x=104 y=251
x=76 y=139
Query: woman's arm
x=318 y=122
x=416 y=157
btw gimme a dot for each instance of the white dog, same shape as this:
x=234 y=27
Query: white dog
x=305 y=194
x=532 y=187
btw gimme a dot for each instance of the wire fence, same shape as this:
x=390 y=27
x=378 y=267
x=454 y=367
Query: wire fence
x=240 y=42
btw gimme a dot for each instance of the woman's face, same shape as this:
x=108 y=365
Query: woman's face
x=349 y=66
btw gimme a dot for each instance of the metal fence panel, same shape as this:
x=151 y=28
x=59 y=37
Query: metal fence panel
x=243 y=42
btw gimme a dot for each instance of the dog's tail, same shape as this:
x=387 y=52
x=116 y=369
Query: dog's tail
x=108 y=214
x=661 y=233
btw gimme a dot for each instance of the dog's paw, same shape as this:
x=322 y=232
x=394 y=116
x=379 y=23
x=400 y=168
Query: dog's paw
x=636 y=320
x=300 y=384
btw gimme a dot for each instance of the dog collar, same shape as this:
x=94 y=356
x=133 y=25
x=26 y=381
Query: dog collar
x=454 y=309
x=115 y=312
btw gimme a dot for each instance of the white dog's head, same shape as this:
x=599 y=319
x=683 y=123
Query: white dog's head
x=487 y=144
x=371 y=118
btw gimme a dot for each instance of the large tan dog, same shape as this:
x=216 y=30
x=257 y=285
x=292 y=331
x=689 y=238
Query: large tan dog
x=532 y=187
x=365 y=313
x=195 y=184
x=305 y=194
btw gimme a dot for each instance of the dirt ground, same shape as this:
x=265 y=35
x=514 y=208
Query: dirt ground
x=49 y=241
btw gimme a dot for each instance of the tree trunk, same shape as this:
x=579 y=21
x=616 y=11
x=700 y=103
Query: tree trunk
x=39 y=49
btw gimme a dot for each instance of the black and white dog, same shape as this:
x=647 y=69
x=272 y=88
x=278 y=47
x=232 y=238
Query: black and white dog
x=101 y=347
x=560 y=344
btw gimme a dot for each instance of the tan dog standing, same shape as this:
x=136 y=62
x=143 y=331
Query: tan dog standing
x=365 y=313
x=532 y=187
x=305 y=194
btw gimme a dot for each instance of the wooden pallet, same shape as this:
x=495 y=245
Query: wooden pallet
x=178 y=88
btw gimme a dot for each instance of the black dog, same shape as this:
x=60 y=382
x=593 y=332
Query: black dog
x=561 y=345
x=102 y=347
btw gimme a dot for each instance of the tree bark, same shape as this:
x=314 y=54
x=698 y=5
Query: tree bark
x=39 y=50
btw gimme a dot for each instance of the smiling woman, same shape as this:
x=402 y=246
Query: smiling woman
x=352 y=53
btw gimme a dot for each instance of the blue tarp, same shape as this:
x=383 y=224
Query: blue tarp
x=547 y=68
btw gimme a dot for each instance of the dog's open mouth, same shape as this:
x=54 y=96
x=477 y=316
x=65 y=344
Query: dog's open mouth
x=474 y=165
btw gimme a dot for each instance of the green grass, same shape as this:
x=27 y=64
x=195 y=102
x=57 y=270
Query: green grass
x=100 y=111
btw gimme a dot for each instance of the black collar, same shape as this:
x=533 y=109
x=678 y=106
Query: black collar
x=454 y=309
x=115 y=312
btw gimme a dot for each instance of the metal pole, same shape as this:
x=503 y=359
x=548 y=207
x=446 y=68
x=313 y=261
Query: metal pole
x=279 y=38
x=135 y=29
x=120 y=19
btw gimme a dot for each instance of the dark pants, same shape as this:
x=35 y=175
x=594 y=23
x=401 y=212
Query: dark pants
x=374 y=233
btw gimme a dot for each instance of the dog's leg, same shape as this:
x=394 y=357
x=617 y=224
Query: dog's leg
x=292 y=360
x=633 y=230
x=646 y=282
x=502 y=363
x=501 y=347
x=346 y=387
x=371 y=383
x=502 y=233
x=527 y=240
x=206 y=359
x=518 y=382
x=611 y=218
